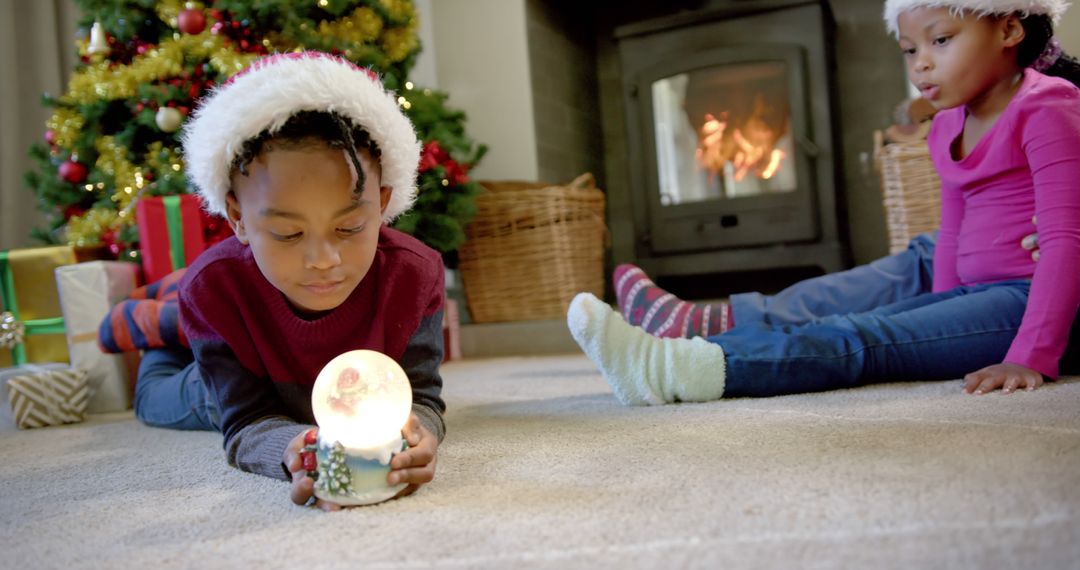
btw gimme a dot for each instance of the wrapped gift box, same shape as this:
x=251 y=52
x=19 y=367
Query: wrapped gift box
x=87 y=292
x=170 y=233
x=173 y=231
x=44 y=395
x=29 y=297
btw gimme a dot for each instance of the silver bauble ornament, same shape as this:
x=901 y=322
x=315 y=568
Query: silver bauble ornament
x=12 y=331
x=168 y=119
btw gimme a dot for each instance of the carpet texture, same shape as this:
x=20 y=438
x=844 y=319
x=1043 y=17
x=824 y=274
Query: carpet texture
x=542 y=468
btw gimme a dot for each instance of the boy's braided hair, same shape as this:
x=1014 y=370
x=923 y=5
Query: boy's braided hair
x=307 y=129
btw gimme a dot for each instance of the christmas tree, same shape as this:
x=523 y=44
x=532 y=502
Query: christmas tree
x=114 y=136
x=334 y=475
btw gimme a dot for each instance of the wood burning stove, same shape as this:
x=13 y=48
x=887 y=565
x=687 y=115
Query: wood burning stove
x=732 y=151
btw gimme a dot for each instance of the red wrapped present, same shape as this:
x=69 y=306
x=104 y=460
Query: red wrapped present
x=173 y=231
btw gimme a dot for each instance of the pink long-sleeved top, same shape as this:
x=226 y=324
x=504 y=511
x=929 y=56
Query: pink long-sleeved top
x=1027 y=164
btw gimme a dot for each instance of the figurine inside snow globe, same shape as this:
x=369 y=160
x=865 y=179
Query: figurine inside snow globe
x=361 y=401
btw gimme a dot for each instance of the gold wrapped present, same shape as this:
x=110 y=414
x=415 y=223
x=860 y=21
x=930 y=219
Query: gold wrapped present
x=31 y=326
x=45 y=395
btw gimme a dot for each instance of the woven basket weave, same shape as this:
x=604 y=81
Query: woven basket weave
x=911 y=191
x=531 y=248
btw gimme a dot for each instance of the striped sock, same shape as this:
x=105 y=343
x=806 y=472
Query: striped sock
x=662 y=314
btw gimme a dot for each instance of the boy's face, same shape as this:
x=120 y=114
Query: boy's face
x=312 y=237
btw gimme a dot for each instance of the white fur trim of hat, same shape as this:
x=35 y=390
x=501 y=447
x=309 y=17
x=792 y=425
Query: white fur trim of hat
x=1052 y=8
x=272 y=89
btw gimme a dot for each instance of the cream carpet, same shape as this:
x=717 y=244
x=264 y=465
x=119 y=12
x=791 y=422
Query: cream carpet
x=543 y=468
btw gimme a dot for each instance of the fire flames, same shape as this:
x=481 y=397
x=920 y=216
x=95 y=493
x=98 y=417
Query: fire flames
x=749 y=147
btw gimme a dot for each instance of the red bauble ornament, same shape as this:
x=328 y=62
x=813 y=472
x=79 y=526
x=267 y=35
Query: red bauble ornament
x=310 y=437
x=108 y=239
x=73 y=172
x=73 y=210
x=50 y=137
x=191 y=21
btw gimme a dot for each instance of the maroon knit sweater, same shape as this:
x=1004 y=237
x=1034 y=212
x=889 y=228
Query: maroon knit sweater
x=260 y=359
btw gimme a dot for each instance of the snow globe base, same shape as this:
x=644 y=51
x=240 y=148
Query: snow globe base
x=351 y=477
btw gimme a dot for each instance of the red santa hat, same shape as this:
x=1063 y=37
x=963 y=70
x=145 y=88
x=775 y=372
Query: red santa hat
x=1052 y=8
x=272 y=89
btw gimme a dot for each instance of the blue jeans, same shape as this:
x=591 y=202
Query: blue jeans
x=170 y=392
x=874 y=323
x=863 y=288
x=932 y=336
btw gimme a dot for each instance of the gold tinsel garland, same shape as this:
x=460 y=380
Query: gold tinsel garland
x=99 y=81
x=169 y=11
x=400 y=10
x=112 y=160
x=398 y=43
x=66 y=123
x=362 y=26
x=86 y=230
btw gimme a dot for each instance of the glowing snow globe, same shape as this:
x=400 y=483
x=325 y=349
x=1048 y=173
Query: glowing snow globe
x=361 y=401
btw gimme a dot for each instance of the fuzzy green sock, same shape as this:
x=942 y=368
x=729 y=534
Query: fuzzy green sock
x=643 y=369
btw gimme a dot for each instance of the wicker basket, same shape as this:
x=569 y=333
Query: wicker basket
x=911 y=191
x=531 y=248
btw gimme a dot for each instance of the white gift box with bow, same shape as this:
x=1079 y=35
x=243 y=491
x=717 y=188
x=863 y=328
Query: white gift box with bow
x=87 y=292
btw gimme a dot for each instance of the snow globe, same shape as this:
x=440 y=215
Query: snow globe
x=361 y=401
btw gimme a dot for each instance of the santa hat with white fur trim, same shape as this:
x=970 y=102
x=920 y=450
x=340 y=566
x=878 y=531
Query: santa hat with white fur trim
x=1052 y=8
x=272 y=89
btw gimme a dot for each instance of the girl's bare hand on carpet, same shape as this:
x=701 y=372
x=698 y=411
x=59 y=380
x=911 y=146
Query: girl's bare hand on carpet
x=415 y=465
x=1007 y=376
x=303 y=487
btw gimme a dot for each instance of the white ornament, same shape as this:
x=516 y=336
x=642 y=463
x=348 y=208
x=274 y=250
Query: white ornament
x=98 y=44
x=168 y=119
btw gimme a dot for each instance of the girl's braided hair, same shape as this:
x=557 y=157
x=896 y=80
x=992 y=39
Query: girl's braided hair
x=1038 y=33
x=307 y=129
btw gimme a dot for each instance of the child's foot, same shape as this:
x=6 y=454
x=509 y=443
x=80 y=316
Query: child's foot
x=662 y=314
x=643 y=369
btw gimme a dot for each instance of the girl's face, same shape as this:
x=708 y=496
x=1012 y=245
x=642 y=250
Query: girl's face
x=312 y=237
x=958 y=60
